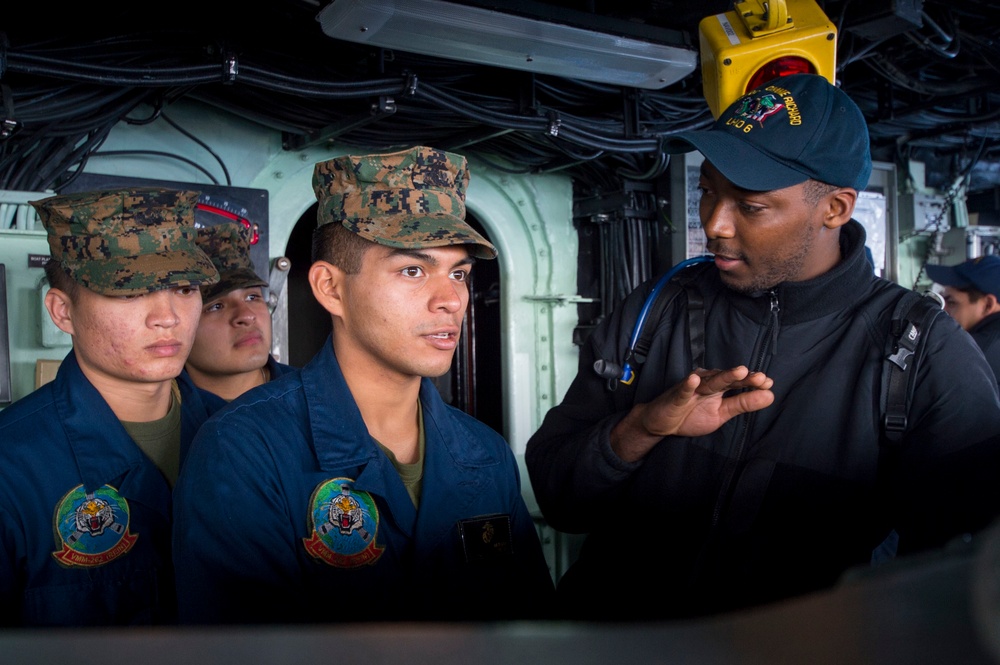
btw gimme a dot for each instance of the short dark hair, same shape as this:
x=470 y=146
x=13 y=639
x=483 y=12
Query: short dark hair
x=973 y=293
x=335 y=244
x=58 y=278
x=814 y=190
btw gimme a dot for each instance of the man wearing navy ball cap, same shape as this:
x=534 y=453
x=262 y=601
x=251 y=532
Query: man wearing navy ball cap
x=971 y=292
x=742 y=462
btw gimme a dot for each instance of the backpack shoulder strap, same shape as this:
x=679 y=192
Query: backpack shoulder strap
x=911 y=319
x=684 y=281
x=622 y=379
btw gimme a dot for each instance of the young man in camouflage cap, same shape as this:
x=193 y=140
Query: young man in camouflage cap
x=349 y=491
x=88 y=459
x=232 y=350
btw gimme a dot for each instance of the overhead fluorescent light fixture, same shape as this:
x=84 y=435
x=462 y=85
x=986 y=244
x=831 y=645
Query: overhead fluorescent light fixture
x=471 y=34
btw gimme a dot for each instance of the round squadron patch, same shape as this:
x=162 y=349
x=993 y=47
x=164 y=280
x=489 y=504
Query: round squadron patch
x=344 y=524
x=92 y=527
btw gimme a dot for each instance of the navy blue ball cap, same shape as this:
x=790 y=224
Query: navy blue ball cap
x=981 y=274
x=791 y=129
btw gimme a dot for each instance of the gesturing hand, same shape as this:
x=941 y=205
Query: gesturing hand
x=696 y=406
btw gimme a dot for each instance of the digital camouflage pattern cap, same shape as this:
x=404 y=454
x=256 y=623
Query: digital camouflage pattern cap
x=126 y=241
x=228 y=245
x=413 y=198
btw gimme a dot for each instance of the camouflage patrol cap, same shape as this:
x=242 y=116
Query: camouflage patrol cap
x=228 y=245
x=413 y=198
x=126 y=241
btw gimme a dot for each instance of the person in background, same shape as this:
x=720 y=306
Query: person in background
x=88 y=459
x=754 y=467
x=232 y=350
x=349 y=491
x=971 y=291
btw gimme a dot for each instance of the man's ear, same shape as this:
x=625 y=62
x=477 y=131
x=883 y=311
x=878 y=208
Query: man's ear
x=992 y=304
x=327 y=283
x=839 y=207
x=60 y=309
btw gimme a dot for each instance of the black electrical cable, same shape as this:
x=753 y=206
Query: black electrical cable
x=545 y=123
x=208 y=148
x=158 y=153
x=467 y=110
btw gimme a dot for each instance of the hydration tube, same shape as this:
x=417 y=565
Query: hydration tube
x=627 y=372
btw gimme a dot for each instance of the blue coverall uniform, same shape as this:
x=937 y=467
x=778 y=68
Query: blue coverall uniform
x=288 y=511
x=84 y=513
x=987 y=336
x=214 y=402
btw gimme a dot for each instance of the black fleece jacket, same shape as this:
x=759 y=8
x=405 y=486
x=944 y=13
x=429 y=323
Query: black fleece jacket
x=782 y=501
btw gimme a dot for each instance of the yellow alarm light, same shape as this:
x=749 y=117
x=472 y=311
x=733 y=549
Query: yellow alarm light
x=761 y=40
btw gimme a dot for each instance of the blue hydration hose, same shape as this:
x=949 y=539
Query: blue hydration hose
x=627 y=372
